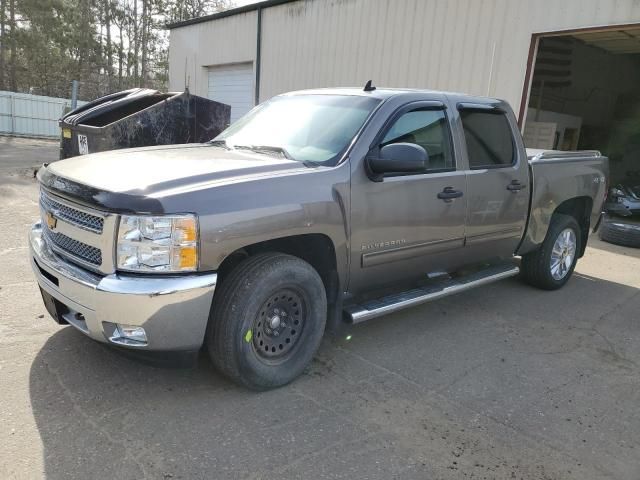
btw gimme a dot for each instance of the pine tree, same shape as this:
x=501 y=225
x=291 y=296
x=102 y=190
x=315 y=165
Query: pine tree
x=45 y=44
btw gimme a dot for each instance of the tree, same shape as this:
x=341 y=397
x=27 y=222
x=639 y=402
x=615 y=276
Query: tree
x=144 y=40
x=3 y=7
x=119 y=21
x=45 y=44
x=179 y=10
x=12 y=42
x=107 y=24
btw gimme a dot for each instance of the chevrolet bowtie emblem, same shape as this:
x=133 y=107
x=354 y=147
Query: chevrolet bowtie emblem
x=52 y=221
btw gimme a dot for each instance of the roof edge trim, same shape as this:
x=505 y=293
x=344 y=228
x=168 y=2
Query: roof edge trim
x=228 y=13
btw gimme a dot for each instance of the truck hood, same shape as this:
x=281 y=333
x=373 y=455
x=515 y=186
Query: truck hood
x=151 y=170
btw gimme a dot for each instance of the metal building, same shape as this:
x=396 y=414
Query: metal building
x=569 y=68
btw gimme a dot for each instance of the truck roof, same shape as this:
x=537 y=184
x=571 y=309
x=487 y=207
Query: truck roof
x=384 y=93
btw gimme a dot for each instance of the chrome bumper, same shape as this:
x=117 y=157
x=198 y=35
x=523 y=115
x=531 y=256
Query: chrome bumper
x=173 y=310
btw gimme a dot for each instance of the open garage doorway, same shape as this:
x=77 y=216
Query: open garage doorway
x=585 y=94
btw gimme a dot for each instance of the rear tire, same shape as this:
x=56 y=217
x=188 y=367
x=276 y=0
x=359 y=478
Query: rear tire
x=267 y=320
x=551 y=265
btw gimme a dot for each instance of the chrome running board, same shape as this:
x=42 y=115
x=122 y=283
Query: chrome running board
x=392 y=303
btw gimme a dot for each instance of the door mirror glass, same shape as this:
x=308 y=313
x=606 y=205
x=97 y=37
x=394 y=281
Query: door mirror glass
x=399 y=158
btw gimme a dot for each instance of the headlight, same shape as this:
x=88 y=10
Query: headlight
x=158 y=244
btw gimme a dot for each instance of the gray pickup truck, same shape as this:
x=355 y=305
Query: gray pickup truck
x=317 y=209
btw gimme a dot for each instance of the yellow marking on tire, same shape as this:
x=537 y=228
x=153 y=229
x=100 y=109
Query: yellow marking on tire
x=248 y=336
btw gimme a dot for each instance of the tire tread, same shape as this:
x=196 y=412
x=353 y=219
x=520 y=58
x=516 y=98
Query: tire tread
x=222 y=331
x=626 y=239
x=535 y=265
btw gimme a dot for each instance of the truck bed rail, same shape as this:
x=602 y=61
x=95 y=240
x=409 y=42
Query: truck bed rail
x=548 y=155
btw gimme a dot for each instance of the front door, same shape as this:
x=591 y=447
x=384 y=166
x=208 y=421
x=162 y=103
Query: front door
x=404 y=226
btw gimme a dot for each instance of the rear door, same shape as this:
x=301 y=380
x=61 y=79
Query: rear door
x=497 y=180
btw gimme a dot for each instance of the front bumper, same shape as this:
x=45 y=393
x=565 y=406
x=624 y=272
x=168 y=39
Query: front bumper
x=173 y=310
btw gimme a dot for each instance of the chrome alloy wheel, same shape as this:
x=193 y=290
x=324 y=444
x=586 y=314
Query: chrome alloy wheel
x=563 y=253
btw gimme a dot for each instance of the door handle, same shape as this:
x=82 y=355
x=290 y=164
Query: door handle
x=515 y=186
x=449 y=194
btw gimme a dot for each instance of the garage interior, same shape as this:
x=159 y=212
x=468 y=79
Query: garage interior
x=584 y=95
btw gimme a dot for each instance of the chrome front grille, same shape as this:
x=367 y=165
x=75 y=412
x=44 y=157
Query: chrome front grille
x=76 y=249
x=80 y=234
x=70 y=214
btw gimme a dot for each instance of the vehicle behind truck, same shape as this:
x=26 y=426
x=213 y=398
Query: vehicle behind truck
x=316 y=210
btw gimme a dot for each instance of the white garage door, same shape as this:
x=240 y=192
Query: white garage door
x=233 y=85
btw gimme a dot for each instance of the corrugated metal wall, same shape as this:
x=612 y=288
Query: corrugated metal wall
x=196 y=47
x=474 y=46
x=31 y=115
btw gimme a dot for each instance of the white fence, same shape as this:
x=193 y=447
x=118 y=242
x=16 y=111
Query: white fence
x=31 y=115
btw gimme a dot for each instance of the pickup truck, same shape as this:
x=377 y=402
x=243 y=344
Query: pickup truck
x=317 y=209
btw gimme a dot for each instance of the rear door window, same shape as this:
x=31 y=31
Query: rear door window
x=489 y=139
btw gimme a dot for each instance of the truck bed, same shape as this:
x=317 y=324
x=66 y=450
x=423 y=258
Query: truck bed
x=556 y=177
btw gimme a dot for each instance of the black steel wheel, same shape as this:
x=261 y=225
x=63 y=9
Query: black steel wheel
x=279 y=325
x=267 y=320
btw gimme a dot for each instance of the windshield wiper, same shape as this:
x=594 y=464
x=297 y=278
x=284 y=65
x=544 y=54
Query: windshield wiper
x=265 y=149
x=219 y=143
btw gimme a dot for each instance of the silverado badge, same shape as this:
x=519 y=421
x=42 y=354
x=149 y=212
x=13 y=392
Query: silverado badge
x=386 y=244
x=52 y=221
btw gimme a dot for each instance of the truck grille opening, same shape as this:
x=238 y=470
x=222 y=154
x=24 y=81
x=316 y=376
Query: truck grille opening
x=73 y=248
x=71 y=215
x=46 y=274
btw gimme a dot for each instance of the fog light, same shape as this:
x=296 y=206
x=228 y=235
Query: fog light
x=129 y=335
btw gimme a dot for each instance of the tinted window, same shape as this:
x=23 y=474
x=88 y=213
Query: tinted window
x=489 y=139
x=427 y=128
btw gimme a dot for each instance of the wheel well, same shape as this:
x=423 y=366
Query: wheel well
x=580 y=209
x=315 y=249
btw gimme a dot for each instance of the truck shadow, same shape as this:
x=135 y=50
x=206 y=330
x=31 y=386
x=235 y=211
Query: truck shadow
x=100 y=414
x=98 y=410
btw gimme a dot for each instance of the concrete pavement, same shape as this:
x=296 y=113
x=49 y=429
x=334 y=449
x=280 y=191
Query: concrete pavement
x=19 y=155
x=502 y=382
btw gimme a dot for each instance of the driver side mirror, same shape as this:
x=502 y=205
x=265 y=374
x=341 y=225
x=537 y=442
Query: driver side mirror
x=398 y=158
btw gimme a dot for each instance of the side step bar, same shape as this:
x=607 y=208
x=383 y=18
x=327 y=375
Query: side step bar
x=392 y=303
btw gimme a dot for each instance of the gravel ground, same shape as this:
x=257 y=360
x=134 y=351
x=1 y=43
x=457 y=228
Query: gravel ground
x=502 y=382
x=20 y=156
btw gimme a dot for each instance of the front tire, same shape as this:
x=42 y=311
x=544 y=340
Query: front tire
x=551 y=266
x=267 y=320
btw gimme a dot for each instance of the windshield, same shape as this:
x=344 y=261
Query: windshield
x=307 y=128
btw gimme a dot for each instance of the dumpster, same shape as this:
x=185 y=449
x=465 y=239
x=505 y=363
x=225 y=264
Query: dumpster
x=140 y=117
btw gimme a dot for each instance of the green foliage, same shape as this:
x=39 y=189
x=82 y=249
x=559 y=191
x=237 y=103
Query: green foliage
x=108 y=45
